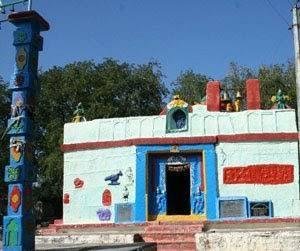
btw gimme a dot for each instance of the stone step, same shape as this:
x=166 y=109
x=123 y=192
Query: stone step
x=58 y=222
x=176 y=231
x=176 y=246
x=53 y=226
x=168 y=237
x=167 y=228
x=175 y=223
x=85 y=238
x=46 y=231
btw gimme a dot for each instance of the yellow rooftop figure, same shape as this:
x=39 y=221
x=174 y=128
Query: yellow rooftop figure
x=177 y=102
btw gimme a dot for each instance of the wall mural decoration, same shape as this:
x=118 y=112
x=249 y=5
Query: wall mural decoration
x=17 y=148
x=129 y=177
x=114 y=178
x=125 y=194
x=78 y=183
x=104 y=214
x=20 y=36
x=106 y=198
x=21 y=58
x=12 y=235
x=18 y=108
x=160 y=200
x=198 y=203
x=16 y=125
x=266 y=174
x=13 y=173
x=15 y=198
x=66 y=198
x=19 y=80
x=197 y=198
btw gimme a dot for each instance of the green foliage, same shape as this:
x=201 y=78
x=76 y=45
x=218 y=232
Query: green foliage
x=236 y=78
x=190 y=86
x=109 y=89
x=276 y=77
x=4 y=153
x=272 y=78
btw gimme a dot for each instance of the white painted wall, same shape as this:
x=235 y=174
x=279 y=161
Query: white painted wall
x=285 y=197
x=92 y=166
x=201 y=123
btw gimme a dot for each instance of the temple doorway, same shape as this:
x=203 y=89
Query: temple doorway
x=178 y=189
x=175 y=186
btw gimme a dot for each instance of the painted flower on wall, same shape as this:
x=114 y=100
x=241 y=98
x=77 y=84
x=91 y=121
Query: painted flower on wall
x=15 y=198
x=13 y=173
x=66 y=198
x=104 y=214
x=106 y=198
x=78 y=183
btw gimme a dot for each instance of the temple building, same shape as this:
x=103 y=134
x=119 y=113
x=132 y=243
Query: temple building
x=192 y=162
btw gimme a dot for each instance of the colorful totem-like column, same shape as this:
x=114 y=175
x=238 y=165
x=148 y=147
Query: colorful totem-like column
x=19 y=224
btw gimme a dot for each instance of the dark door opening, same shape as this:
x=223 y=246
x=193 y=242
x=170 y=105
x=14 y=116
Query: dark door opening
x=178 y=189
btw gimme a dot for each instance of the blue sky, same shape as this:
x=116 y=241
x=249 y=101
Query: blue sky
x=202 y=35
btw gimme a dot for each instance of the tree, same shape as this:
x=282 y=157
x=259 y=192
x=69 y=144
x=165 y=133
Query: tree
x=190 y=86
x=4 y=153
x=274 y=77
x=108 y=89
x=236 y=78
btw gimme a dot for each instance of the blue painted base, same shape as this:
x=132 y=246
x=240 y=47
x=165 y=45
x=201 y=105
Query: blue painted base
x=18 y=233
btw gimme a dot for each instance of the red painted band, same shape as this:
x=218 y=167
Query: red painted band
x=266 y=174
x=138 y=141
x=251 y=137
x=258 y=137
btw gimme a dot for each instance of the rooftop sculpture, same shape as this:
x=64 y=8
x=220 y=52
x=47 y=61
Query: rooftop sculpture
x=79 y=114
x=280 y=100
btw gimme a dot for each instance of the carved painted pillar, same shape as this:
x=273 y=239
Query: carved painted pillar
x=19 y=224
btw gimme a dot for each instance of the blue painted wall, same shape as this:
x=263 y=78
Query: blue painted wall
x=142 y=153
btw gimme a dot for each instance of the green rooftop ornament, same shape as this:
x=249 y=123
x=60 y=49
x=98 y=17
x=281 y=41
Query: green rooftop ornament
x=177 y=115
x=280 y=100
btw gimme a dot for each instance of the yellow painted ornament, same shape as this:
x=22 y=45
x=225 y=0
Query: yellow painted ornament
x=177 y=102
x=21 y=58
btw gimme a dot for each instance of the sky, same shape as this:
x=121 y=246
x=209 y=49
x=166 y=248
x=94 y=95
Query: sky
x=201 y=35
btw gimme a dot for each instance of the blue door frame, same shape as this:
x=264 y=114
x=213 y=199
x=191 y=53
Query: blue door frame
x=142 y=161
x=157 y=182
